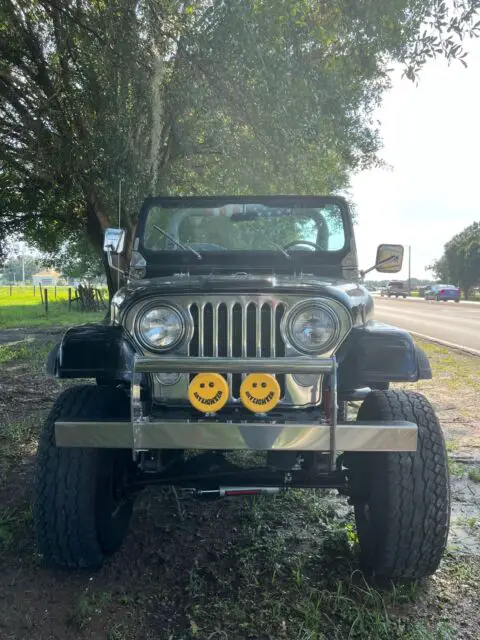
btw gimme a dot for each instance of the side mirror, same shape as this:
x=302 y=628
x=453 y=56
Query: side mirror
x=114 y=240
x=389 y=258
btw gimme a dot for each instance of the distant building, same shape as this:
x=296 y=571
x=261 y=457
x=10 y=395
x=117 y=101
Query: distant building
x=46 y=278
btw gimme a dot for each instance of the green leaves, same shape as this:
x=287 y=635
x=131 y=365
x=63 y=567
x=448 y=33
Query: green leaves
x=260 y=96
x=460 y=263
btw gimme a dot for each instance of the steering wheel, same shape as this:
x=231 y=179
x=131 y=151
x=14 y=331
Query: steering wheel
x=307 y=243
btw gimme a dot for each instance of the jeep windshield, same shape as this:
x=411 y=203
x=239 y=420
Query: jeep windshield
x=233 y=226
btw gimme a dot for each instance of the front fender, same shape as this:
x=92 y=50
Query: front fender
x=93 y=351
x=378 y=353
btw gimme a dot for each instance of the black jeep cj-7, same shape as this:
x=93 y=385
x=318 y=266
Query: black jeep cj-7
x=243 y=325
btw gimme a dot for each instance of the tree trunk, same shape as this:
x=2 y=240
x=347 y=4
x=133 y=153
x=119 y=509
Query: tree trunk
x=97 y=222
x=111 y=282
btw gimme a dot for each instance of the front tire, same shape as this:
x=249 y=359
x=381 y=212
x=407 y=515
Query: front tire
x=81 y=511
x=402 y=500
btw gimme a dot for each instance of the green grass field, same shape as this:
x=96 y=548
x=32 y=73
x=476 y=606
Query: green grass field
x=23 y=307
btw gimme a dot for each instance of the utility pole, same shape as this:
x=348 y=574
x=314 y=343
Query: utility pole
x=409 y=268
x=23 y=266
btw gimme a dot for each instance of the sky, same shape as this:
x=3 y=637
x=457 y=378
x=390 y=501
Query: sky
x=431 y=140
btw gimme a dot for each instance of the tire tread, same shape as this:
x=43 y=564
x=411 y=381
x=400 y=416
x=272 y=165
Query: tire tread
x=64 y=481
x=416 y=516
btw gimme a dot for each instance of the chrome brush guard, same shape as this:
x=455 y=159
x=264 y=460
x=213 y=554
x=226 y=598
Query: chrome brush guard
x=216 y=432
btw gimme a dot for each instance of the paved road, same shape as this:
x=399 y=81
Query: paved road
x=455 y=323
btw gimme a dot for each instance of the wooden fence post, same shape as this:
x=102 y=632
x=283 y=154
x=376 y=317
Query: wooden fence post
x=10 y=289
x=34 y=291
x=55 y=292
x=69 y=298
x=46 y=301
x=41 y=292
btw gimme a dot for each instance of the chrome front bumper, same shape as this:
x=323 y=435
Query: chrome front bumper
x=258 y=434
x=254 y=436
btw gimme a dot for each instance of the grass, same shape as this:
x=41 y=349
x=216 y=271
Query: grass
x=451 y=446
x=25 y=309
x=460 y=370
x=456 y=469
x=463 y=571
x=28 y=294
x=474 y=475
x=89 y=605
x=19 y=433
x=297 y=576
x=453 y=392
x=11 y=521
x=27 y=350
x=284 y=567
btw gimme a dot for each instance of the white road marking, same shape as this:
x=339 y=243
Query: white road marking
x=452 y=345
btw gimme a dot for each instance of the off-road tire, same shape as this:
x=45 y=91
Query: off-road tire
x=79 y=519
x=402 y=500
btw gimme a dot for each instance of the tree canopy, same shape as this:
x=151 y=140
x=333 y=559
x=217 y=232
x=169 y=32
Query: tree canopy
x=162 y=96
x=460 y=262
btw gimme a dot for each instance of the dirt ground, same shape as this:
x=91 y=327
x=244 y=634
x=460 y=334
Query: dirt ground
x=267 y=568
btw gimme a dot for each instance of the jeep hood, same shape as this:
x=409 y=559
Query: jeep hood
x=354 y=296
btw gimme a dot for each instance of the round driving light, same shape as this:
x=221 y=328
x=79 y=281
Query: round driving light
x=161 y=328
x=208 y=392
x=312 y=327
x=260 y=392
x=168 y=379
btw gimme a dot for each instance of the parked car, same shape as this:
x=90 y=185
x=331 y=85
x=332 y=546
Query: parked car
x=395 y=288
x=444 y=293
x=243 y=324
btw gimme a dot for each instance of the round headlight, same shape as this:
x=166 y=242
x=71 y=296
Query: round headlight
x=161 y=328
x=312 y=327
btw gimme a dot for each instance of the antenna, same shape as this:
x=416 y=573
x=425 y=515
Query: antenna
x=119 y=223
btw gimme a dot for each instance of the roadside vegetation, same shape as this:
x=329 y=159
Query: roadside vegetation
x=282 y=567
x=25 y=307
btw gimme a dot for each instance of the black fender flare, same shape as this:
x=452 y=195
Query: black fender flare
x=93 y=351
x=380 y=353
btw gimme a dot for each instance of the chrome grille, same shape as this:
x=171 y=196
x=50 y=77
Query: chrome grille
x=226 y=329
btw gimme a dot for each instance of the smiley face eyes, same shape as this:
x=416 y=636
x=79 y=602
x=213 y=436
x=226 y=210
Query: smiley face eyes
x=208 y=392
x=260 y=392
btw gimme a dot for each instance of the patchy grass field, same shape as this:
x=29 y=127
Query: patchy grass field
x=268 y=568
x=24 y=308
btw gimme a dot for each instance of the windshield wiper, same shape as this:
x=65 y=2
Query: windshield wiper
x=179 y=244
x=277 y=246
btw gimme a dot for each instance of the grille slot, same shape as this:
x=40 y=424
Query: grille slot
x=249 y=330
